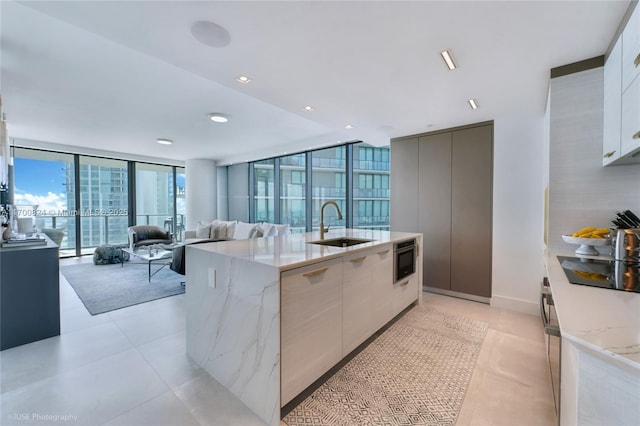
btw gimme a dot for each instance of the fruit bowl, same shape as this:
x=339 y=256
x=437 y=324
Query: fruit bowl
x=587 y=245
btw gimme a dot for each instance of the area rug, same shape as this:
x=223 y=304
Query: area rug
x=415 y=373
x=104 y=288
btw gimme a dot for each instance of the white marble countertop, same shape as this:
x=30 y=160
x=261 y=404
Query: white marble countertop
x=603 y=320
x=293 y=250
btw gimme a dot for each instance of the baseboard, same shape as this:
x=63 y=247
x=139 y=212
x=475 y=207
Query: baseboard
x=457 y=294
x=518 y=305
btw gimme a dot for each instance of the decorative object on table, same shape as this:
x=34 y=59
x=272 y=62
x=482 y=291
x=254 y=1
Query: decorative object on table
x=6 y=179
x=22 y=240
x=588 y=238
x=416 y=372
x=110 y=287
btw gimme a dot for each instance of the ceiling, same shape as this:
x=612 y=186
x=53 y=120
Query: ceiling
x=117 y=75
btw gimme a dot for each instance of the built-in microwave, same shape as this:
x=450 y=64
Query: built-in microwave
x=404 y=262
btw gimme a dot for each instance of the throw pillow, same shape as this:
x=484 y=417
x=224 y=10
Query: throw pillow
x=227 y=228
x=244 y=231
x=283 y=229
x=269 y=229
x=202 y=230
x=222 y=229
x=213 y=233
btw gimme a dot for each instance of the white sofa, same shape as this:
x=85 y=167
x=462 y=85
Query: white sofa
x=234 y=230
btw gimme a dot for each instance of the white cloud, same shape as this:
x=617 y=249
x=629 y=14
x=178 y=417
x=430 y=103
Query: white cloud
x=51 y=204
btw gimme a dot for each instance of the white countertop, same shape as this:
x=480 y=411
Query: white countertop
x=293 y=250
x=603 y=320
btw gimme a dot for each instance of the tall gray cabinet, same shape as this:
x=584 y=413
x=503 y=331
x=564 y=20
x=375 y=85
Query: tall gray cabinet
x=441 y=186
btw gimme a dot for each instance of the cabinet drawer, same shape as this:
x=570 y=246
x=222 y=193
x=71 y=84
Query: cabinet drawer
x=631 y=49
x=630 y=128
x=405 y=293
x=311 y=325
x=356 y=300
x=382 y=287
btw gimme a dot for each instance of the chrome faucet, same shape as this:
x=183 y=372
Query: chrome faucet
x=322 y=229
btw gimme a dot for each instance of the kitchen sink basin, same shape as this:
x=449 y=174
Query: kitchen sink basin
x=341 y=242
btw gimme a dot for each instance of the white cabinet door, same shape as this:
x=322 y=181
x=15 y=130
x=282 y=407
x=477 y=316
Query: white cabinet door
x=311 y=325
x=382 y=287
x=405 y=293
x=356 y=300
x=612 y=105
x=630 y=133
x=631 y=49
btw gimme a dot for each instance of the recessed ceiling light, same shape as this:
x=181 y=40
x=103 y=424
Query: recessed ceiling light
x=348 y=126
x=164 y=141
x=308 y=108
x=473 y=104
x=243 y=79
x=446 y=56
x=218 y=118
x=211 y=34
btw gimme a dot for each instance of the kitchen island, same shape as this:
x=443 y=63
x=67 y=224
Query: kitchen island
x=600 y=352
x=267 y=317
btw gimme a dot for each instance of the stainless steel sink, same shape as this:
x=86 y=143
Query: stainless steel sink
x=341 y=242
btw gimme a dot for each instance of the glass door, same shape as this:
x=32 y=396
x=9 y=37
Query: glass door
x=104 y=202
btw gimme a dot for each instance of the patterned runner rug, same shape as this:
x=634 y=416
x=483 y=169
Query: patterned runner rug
x=415 y=373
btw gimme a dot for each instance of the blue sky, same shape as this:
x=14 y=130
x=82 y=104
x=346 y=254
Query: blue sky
x=38 y=177
x=42 y=183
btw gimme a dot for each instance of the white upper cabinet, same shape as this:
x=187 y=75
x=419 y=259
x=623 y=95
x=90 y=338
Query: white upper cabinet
x=621 y=118
x=630 y=131
x=631 y=49
x=612 y=105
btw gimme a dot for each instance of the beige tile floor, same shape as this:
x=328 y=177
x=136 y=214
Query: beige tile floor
x=128 y=367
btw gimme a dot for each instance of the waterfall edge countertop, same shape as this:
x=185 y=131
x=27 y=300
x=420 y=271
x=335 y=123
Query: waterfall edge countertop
x=294 y=250
x=603 y=320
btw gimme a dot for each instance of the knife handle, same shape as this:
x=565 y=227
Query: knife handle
x=622 y=218
x=619 y=224
x=632 y=216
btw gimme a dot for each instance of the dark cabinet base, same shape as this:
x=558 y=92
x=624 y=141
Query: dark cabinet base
x=29 y=295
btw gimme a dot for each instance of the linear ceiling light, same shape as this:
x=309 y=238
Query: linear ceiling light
x=218 y=118
x=446 y=56
x=473 y=104
x=164 y=141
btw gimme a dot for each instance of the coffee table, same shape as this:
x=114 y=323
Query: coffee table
x=152 y=254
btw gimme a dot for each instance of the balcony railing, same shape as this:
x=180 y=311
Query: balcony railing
x=102 y=229
x=370 y=165
x=371 y=193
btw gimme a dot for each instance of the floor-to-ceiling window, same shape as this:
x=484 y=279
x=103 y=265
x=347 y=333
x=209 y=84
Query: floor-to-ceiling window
x=155 y=195
x=354 y=175
x=87 y=199
x=370 y=187
x=44 y=184
x=328 y=182
x=104 y=202
x=292 y=192
x=263 y=190
x=181 y=203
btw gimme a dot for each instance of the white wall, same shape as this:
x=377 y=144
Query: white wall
x=223 y=196
x=518 y=195
x=201 y=191
x=238 y=178
x=581 y=191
